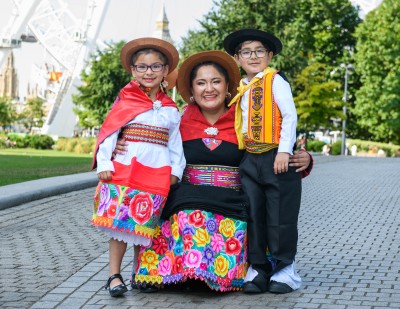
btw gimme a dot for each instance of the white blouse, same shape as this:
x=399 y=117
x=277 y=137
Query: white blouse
x=284 y=99
x=152 y=155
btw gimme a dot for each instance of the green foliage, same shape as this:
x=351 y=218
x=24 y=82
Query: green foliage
x=378 y=64
x=40 y=141
x=33 y=113
x=336 y=148
x=76 y=144
x=101 y=86
x=19 y=140
x=314 y=145
x=7 y=112
x=318 y=101
x=309 y=29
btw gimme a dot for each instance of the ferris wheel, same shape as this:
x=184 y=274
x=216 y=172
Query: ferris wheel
x=66 y=39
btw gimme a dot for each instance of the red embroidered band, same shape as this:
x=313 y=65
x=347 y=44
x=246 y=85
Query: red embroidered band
x=136 y=132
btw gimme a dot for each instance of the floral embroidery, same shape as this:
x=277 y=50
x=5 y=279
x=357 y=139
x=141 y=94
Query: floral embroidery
x=199 y=245
x=141 y=208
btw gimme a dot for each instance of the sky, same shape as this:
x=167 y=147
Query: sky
x=125 y=20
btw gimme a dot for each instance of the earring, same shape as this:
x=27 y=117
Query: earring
x=228 y=95
x=191 y=99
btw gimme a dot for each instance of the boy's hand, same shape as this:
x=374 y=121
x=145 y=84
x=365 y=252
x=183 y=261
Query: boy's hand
x=281 y=164
x=121 y=147
x=106 y=175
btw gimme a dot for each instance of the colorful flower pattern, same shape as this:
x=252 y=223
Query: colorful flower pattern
x=196 y=244
x=128 y=210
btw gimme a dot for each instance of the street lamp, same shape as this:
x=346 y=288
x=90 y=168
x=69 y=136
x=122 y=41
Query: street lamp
x=346 y=67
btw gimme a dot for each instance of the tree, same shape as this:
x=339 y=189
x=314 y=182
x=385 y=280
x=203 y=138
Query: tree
x=7 y=112
x=377 y=61
x=318 y=102
x=101 y=85
x=33 y=113
x=310 y=30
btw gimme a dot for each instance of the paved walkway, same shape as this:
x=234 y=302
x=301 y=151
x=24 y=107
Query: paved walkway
x=348 y=254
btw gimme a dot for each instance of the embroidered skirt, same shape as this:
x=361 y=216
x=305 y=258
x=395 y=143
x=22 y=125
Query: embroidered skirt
x=128 y=207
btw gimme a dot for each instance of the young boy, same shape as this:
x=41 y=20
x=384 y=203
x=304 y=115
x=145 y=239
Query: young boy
x=265 y=124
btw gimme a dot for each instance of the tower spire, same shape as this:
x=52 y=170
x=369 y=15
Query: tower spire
x=162 y=30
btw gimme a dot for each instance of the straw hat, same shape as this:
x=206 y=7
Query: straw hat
x=217 y=56
x=163 y=46
x=240 y=36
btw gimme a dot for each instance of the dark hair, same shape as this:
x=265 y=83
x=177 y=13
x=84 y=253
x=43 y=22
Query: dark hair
x=146 y=51
x=217 y=66
x=239 y=46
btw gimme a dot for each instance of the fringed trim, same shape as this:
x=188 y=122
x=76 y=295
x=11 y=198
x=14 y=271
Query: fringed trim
x=213 y=281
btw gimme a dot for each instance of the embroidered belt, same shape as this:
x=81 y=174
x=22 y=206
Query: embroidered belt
x=256 y=147
x=136 y=132
x=212 y=175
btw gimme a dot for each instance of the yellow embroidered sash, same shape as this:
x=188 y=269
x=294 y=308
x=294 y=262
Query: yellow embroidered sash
x=264 y=121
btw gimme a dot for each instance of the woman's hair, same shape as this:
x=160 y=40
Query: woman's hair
x=146 y=51
x=217 y=66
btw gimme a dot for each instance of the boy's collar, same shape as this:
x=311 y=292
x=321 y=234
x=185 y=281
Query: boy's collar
x=258 y=75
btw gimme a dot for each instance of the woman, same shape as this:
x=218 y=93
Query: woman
x=202 y=232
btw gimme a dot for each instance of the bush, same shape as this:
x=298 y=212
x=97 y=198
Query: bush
x=20 y=140
x=336 y=148
x=315 y=145
x=40 y=141
x=76 y=144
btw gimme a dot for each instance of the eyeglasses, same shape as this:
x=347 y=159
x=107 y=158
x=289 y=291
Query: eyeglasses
x=246 y=53
x=142 y=68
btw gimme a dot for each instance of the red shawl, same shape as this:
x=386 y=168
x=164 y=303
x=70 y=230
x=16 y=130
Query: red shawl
x=193 y=125
x=132 y=102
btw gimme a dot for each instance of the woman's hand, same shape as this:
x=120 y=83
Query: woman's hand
x=300 y=159
x=106 y=175
x=121 y=147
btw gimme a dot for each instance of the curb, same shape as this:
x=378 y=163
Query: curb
x=20 y=193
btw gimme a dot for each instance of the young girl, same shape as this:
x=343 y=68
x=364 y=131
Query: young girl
x=133 y=186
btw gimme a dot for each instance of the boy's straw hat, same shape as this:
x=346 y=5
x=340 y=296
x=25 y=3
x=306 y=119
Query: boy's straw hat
x=240 y=36
x=222 y=58
x=163 y=46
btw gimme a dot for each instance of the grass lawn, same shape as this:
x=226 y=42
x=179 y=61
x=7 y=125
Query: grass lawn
x=18 y=165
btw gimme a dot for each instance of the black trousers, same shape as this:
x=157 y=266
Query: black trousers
x=274 y=209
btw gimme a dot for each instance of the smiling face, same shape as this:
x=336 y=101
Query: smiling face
x=209 y=89
x=254 y=64
x=149 y=78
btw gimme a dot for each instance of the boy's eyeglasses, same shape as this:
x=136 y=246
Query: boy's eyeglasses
x=142 y=68
x=246 y=53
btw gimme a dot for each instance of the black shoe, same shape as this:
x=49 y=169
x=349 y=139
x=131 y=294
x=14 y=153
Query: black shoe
x=117 y=290
x=279 y=288
x=258 y=285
